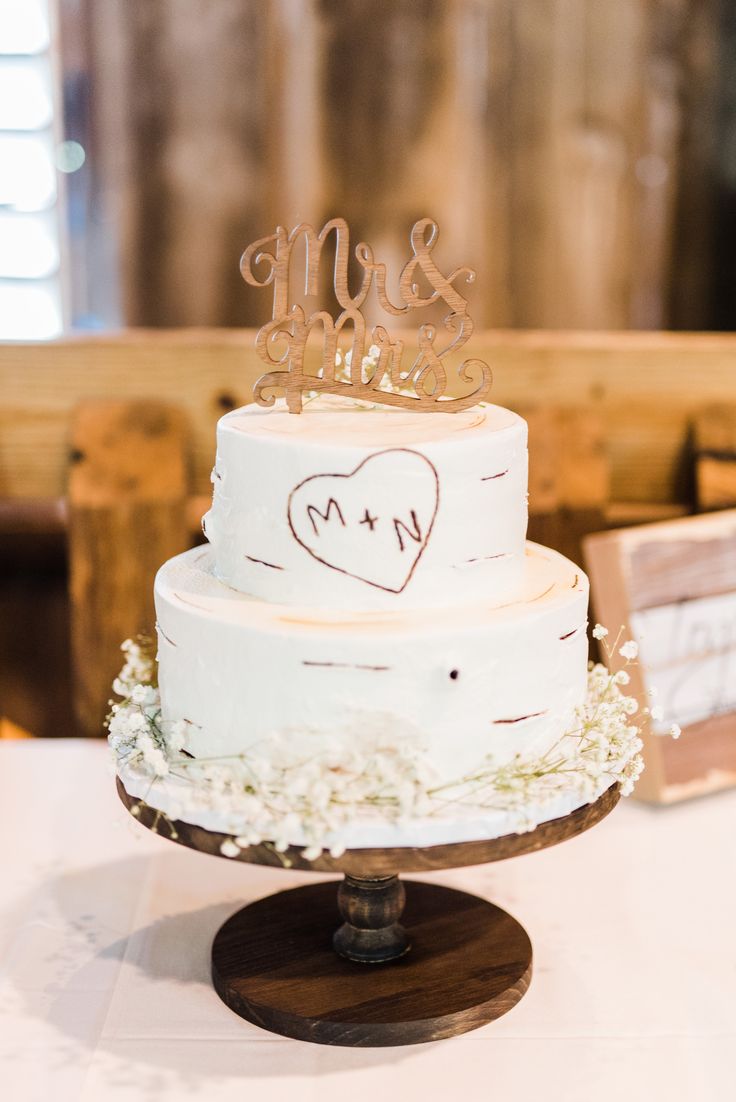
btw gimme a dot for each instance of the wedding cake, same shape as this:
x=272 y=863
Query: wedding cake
x=369 y=652
x=368 y=578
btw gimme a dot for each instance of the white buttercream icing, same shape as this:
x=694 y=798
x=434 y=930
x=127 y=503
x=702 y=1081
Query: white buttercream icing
x=369 y=508
x=368 y=571
x=496 y=677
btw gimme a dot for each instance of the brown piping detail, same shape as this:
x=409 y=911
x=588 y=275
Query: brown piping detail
x=519 y=719
x=485 y=558
x=345 y=665
x=262 y=562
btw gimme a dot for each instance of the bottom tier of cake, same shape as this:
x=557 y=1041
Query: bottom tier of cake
x=455 y=692
x=299 y=727
x=466 y=683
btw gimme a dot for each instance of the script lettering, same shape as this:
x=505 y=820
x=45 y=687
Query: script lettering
x=282 y=342
x=399 y=526
x=331 y=504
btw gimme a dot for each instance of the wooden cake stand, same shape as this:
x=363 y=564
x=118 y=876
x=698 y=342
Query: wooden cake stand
x=454 y=962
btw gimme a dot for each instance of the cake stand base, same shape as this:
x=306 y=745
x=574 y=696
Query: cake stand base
x=373 y=960
x=467 y=962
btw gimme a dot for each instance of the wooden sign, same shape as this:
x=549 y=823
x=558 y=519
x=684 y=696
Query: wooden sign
x=673 y=586
x=379 y=377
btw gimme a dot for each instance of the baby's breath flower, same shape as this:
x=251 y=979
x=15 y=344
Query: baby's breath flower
x=175 y=736
x=675 y=730
x=599 y=632
x=629 y=650
x=249 y=838
x=229 y=848
x=657 y=712
x=144 y=695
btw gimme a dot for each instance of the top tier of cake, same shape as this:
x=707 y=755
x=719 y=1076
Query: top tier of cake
x=369 y=509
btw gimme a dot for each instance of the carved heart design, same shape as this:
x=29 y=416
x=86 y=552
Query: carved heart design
x=372 y=524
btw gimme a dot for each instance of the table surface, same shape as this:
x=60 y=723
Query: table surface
x=105 y=933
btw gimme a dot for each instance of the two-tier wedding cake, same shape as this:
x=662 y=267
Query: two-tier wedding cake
x=369 y=652
x=371 y=566
x=368 y=581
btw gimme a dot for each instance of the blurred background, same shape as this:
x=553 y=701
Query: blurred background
x=580 y=154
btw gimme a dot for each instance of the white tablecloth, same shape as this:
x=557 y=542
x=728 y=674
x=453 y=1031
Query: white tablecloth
x=105 y=936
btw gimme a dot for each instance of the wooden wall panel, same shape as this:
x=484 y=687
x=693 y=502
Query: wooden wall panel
x=692 y=280
x=127 y=489
x=646 y=389
x=714 y=452
x=546 y=136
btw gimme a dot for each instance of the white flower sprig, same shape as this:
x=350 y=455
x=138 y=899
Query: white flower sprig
x=135 y=731
x=629 y=651
x=137 y=668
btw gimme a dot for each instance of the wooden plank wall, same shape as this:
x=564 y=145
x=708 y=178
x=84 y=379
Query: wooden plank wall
x=645 y=387
x=563 y=146
x=714 y=441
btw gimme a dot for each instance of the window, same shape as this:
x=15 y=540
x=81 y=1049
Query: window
x=30 y=225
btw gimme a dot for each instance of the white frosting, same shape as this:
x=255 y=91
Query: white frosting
x=361 y=508
x=494 y=676
x=368 y=575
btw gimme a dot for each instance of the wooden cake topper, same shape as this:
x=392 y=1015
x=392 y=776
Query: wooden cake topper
x=281 y=343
